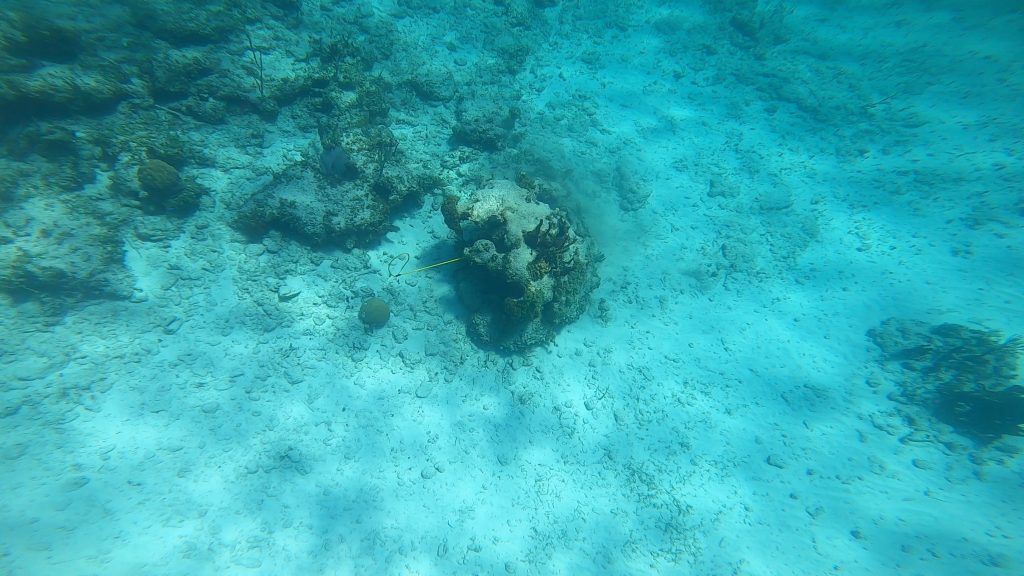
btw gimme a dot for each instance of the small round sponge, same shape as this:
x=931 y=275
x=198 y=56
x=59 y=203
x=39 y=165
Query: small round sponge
x=374 y=313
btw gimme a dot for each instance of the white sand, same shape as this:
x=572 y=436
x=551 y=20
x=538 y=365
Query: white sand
x=725 y=422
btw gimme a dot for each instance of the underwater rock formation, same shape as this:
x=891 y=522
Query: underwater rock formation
x=338 y=203
x=54 y=249
x=304 y=205
x=31 y=38
x=58 y=91
x=529 y=272
x=484 y=125
x=966 y=377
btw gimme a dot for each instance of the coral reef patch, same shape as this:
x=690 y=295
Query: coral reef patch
x=328 y=208
x=965 y=377
x=530 y=271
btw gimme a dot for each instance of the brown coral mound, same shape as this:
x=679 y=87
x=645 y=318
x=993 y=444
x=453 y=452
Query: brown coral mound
x=159 y=179
x=374 y=313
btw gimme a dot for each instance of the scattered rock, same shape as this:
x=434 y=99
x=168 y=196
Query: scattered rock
x=922 y=464
x=775 y=198
x=424 y=390
x=74 y=483
x=290 y=289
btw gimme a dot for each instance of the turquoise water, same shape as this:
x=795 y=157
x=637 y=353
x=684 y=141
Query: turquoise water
x=518 y=287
